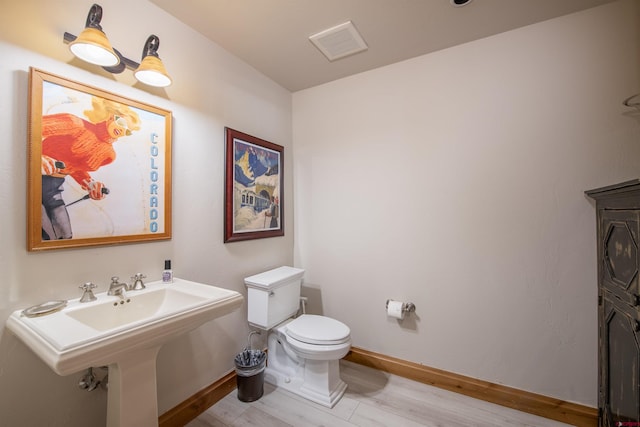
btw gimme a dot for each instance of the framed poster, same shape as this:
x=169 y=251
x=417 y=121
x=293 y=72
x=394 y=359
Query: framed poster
x=254 y=206
x=99 y=167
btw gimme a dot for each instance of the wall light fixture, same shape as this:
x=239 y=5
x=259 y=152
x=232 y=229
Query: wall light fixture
x=633 y=101
x=93 y=46
x=151 y=70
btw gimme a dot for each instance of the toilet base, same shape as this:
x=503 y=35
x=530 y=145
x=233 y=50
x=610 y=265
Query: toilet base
x=316 y=380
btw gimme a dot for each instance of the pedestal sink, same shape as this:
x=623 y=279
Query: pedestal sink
x=124 y=333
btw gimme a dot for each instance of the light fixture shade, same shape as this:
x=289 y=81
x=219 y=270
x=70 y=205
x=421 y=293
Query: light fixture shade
x=152 y=72
x=93 y=46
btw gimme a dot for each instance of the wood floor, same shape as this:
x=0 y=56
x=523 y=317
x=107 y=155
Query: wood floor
x=373 y=398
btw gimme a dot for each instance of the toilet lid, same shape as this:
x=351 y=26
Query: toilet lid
x=314 y=329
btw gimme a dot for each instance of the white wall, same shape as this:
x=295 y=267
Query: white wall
x=455 y=181
x=211 y=90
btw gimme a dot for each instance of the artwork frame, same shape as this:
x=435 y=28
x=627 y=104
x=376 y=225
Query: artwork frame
x=254 y=184
x=98 y=166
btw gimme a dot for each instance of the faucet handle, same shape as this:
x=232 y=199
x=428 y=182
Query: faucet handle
x=87 y=294
x=137 y=281
x=115 y=280
x=88 y=286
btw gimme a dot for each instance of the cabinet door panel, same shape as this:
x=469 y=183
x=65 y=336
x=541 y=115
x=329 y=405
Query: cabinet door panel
x=620 y=363
x=619 y=254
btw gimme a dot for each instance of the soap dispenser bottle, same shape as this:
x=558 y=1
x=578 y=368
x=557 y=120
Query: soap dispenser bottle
x=167 y=273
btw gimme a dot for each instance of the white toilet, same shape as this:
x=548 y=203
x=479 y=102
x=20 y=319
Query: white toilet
x=304 y=352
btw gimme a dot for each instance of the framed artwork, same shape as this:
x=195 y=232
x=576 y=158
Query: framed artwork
x=254 y=205
x=99 y=167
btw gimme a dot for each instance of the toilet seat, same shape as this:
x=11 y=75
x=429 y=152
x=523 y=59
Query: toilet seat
x=318 y=330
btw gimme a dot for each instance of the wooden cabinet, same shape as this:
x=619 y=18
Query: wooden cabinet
x=618 y=217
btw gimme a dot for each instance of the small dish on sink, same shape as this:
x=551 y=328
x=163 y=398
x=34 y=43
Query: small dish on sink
x=44 y=308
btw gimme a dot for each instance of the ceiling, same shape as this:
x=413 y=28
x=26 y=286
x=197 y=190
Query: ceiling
x=272 y=35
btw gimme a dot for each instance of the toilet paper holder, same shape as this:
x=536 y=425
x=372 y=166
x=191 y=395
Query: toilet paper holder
x=407 y=307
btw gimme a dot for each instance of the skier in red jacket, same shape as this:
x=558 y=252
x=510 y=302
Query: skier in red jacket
x=73 y=146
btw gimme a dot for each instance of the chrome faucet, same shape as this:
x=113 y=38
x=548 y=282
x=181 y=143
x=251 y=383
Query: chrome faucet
x=117 y=288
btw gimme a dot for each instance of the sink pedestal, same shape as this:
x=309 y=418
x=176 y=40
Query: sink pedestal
x=132 y=399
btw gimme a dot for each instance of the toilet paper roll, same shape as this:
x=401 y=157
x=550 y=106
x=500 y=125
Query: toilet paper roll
x=394 y=309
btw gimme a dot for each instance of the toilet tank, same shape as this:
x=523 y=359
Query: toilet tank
x=273 y=296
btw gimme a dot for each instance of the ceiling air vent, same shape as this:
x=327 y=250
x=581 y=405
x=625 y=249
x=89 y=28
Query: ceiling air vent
x=339 y=41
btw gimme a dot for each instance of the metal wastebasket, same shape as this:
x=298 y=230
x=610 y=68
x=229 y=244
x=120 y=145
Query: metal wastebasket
x=250 y=365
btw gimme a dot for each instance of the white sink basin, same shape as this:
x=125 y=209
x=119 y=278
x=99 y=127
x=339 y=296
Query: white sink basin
x=107 y=316
x=123 y=333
